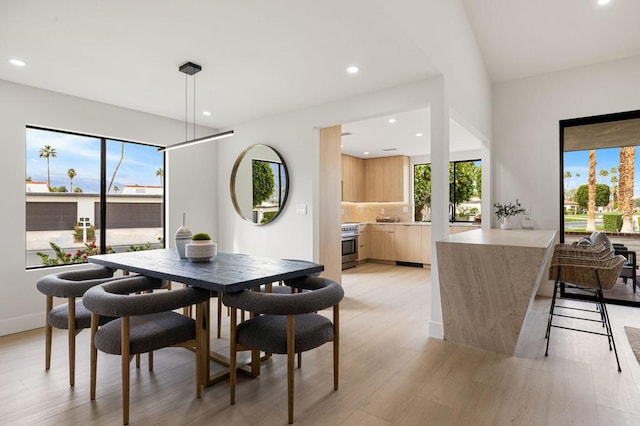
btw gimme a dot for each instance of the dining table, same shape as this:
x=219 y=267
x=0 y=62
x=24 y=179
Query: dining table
x=225 y=273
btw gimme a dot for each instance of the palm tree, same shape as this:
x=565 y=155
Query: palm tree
x=604 y=173
x=591 y=205
x=113 y=176
x=116 y=188
x=71 y=173
x=577 y=178
x=625 y=188
x=614 y=181
x=567 y=176
x=160 y=173
x=48 y=152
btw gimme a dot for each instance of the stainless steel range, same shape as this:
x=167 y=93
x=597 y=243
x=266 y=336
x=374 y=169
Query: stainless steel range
x=349 y=245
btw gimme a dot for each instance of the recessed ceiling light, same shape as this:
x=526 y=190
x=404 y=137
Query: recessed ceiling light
x=366 y=153
x=207 y=113
x=17 y=62
x=353 y=69
x=419 y=134
x=392 y=120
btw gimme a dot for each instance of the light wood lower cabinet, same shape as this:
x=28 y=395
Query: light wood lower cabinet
x=425 y=232
x=382 y=239
x=364 y=243
x=408 y=243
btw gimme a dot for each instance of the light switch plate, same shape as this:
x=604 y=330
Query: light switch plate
x=301 y=209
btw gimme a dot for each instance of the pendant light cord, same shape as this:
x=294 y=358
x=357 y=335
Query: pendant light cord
x=194 y=106
x=186 y=112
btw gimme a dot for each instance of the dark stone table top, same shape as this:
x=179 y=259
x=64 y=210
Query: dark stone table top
x=227 y=272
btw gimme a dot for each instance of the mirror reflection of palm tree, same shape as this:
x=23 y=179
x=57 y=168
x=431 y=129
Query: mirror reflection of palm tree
x=71 y=173
x=48 y=152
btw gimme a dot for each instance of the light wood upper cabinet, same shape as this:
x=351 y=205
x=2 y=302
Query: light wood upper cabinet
x=374 y=172
x=395 y=183
x=353 y=179
x=375 y=179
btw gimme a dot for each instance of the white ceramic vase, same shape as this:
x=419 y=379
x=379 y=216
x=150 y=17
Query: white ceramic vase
x=505 y=223
x=201 y=250
x=182 y=238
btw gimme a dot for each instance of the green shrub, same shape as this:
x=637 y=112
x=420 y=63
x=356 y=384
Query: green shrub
x=78 y=233
x=267 y=216
x=612 y=222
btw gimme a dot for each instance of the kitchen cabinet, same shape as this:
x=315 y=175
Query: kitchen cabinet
x=353 y=179
x=364 y=244
x=387 y=179
x=425 y=233
x=382 y=239
x=408 y=243
x=375 y=179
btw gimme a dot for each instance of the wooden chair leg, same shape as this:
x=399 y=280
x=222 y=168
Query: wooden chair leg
x=151 y=361
x=94 y=356
x=71 y=325
x=232 y=357
x=125 y=354
x=299 y=359
x=290 y=361
x=48 y=333
x=336 y=345
x=137 y=360
x=199 y=336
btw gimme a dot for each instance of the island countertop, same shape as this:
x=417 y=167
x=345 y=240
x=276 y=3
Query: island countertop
x=488 y=280
x=514 y=237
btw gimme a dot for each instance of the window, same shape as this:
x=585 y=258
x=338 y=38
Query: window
x=465 y=191
x=70 y=177
x=598 y=156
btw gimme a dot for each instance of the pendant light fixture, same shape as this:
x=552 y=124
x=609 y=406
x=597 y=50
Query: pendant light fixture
x=191 y=69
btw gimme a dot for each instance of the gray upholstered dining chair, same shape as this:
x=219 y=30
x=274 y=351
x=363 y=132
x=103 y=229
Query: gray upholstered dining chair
x=146 y=322
x=72 y=316
x=286 y=324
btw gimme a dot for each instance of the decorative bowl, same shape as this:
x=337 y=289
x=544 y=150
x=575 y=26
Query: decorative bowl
x=201 y=251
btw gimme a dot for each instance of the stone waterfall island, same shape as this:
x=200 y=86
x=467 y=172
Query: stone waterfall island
x=488 y=280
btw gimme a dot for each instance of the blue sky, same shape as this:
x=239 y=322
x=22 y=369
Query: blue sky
x=577 y=162
x=82 y=154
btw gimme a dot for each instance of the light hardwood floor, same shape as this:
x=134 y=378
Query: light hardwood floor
x=391 y=373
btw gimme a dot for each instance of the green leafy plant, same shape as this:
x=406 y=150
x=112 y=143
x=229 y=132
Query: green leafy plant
x=63 y=258
x=142 y=247
x=506 y=210
x=201 y=236
x=78 y=233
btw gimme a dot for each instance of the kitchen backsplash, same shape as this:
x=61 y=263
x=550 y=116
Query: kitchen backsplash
x=367 y=212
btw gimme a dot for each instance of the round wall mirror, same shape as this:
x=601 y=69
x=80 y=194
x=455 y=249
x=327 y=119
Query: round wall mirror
x=259 y=184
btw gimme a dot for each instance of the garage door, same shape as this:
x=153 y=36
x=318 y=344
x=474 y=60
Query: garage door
x=131 y=215
x=51 y=216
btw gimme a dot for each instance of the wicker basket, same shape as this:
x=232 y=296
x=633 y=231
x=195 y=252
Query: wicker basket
x=586 y=271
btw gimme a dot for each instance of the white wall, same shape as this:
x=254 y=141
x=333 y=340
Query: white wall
x=295 y=137
x=21 y=305
x=526 y=128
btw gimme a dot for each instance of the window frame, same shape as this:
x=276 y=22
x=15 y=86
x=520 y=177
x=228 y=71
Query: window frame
x=104 y=140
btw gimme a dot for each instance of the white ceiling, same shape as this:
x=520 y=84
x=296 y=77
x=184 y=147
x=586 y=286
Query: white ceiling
x=522 y=38
x=262 y=58
x=380 y=138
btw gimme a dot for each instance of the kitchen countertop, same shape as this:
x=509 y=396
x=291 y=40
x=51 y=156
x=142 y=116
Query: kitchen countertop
x=419 y=223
